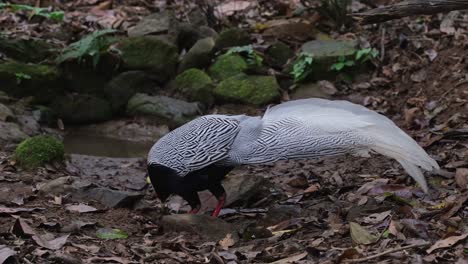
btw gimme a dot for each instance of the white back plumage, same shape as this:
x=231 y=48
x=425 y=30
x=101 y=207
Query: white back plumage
x=298 y=129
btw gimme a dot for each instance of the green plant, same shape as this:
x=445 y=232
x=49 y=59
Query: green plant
x=252 y=57
x=22 y=76
x=35 y=11
x=302 y=67
x=361 y=56
x=91 y=45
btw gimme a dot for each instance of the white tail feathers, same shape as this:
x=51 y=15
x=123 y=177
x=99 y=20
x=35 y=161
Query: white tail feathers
x=390 y=141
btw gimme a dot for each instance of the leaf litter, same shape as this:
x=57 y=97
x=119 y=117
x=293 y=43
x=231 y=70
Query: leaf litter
x=314 y=227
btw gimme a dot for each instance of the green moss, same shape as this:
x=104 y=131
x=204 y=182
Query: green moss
x=36 y=72
x=278 y=54
x=227 y=66
x=38 y=150
x=149 y=53
x=195 y=85
x=232 y=37
x=256 y=90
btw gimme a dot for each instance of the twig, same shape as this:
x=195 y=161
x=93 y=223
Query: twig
x=382 y=44
x=393 y=250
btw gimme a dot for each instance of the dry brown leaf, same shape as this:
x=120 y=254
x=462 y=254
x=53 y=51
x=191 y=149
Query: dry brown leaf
x=80 y=208
x=291 y=259
x=227 y=242
x=461 y=178
x=54 y=244
x=6 y=254
x=7 y=210
x=360 y=235
x=312 y=188
x=228 y=8
x=447 y=242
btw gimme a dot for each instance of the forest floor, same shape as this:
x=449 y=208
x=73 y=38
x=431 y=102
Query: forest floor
x=319 y=211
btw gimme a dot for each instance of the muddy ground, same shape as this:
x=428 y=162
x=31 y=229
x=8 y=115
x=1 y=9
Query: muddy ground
x=314 y=211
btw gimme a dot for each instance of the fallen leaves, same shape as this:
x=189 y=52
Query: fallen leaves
x=461 y=178
x=109 y=233
x=227 y=242
x=81 y=208
x=6 y=254
x=53 y=244
x=8 y=210
x=447 y=242
x=291 y=259
x=360 y=235
x=23 y=229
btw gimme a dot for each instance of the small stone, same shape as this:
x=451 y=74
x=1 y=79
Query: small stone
x=82 y=108
x=5 y=113
x=227 y=66
x=278 y=54
x=255 y=90
x=150 y=54
x=195 y=85
x=157 y=23
x=29 y=124
x=108 y=197
x=173 y=110
x=231 y=38
x=199 y=56
x=11 y=132
x=207 y=227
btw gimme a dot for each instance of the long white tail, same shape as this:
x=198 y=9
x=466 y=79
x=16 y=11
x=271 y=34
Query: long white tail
x=315 y=126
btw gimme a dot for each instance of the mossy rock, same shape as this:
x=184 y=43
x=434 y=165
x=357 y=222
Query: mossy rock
x=123 y=86
x=26 y=50
x=21 y=79
x=278 y=54
x=149 y=54
x=227 y=66
x=231 y=38
x=38 y=150
x=199 y=56
x=82 y=108
x=255 y=90
x=195 y=85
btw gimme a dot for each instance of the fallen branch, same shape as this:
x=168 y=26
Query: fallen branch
x=393 y=250
x=409 y=8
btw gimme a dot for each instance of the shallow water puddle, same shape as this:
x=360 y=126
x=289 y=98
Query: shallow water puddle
x=97 y=145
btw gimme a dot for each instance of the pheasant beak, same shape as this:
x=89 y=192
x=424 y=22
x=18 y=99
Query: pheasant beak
x=148 y=180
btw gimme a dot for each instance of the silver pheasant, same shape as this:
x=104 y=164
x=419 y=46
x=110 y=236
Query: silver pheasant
x=197 y=155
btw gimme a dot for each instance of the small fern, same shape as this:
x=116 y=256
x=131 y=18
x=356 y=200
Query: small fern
x=252 y=57
x=91 y=45
x=302 y=67
x=35 y=11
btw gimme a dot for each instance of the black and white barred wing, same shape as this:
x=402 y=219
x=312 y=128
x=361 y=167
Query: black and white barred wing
x=195 y=145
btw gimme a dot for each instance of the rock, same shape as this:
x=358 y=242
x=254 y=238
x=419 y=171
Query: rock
x=82 y=108
x=20 y=79
x=38 y=150
x=207 y=227
x=26 y=50
x=189 y=34
x=108 y=197
x=227 y=66
x=150 y=54
x=44 y=115
x=231 y=38
x=63 y=185
x=278 y=54
x=199 y=56
x=28 y=124
x=123 y=86
x=328 y=51
x=154 y=24
x=5 y=113
x=255 y=90
x=321 y=89
x=195 y=85
x=169 y=109
x=11 y=132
